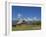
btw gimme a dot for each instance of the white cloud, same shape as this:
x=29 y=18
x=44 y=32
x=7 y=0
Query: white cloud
x=25 y=19
x=35 y=18
x=19 y=14
x=30 y=19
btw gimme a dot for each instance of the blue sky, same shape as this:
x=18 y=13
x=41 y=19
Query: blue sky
x=26 y=11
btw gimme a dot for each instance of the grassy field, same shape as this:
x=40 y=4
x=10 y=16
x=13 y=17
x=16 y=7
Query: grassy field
x=26 y=27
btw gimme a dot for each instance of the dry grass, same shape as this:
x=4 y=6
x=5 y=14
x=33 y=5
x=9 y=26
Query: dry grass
x=26 y=27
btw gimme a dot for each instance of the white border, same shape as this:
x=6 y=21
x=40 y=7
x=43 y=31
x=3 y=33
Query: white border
x=9 y=16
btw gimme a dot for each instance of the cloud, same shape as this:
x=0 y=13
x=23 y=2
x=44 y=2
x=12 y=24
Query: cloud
x=36 y=19
x=25 y=19
x=30 y=19
x=19 y=14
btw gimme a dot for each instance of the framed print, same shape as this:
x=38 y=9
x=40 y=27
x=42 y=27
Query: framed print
x=26 y=17
x=23 y=16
